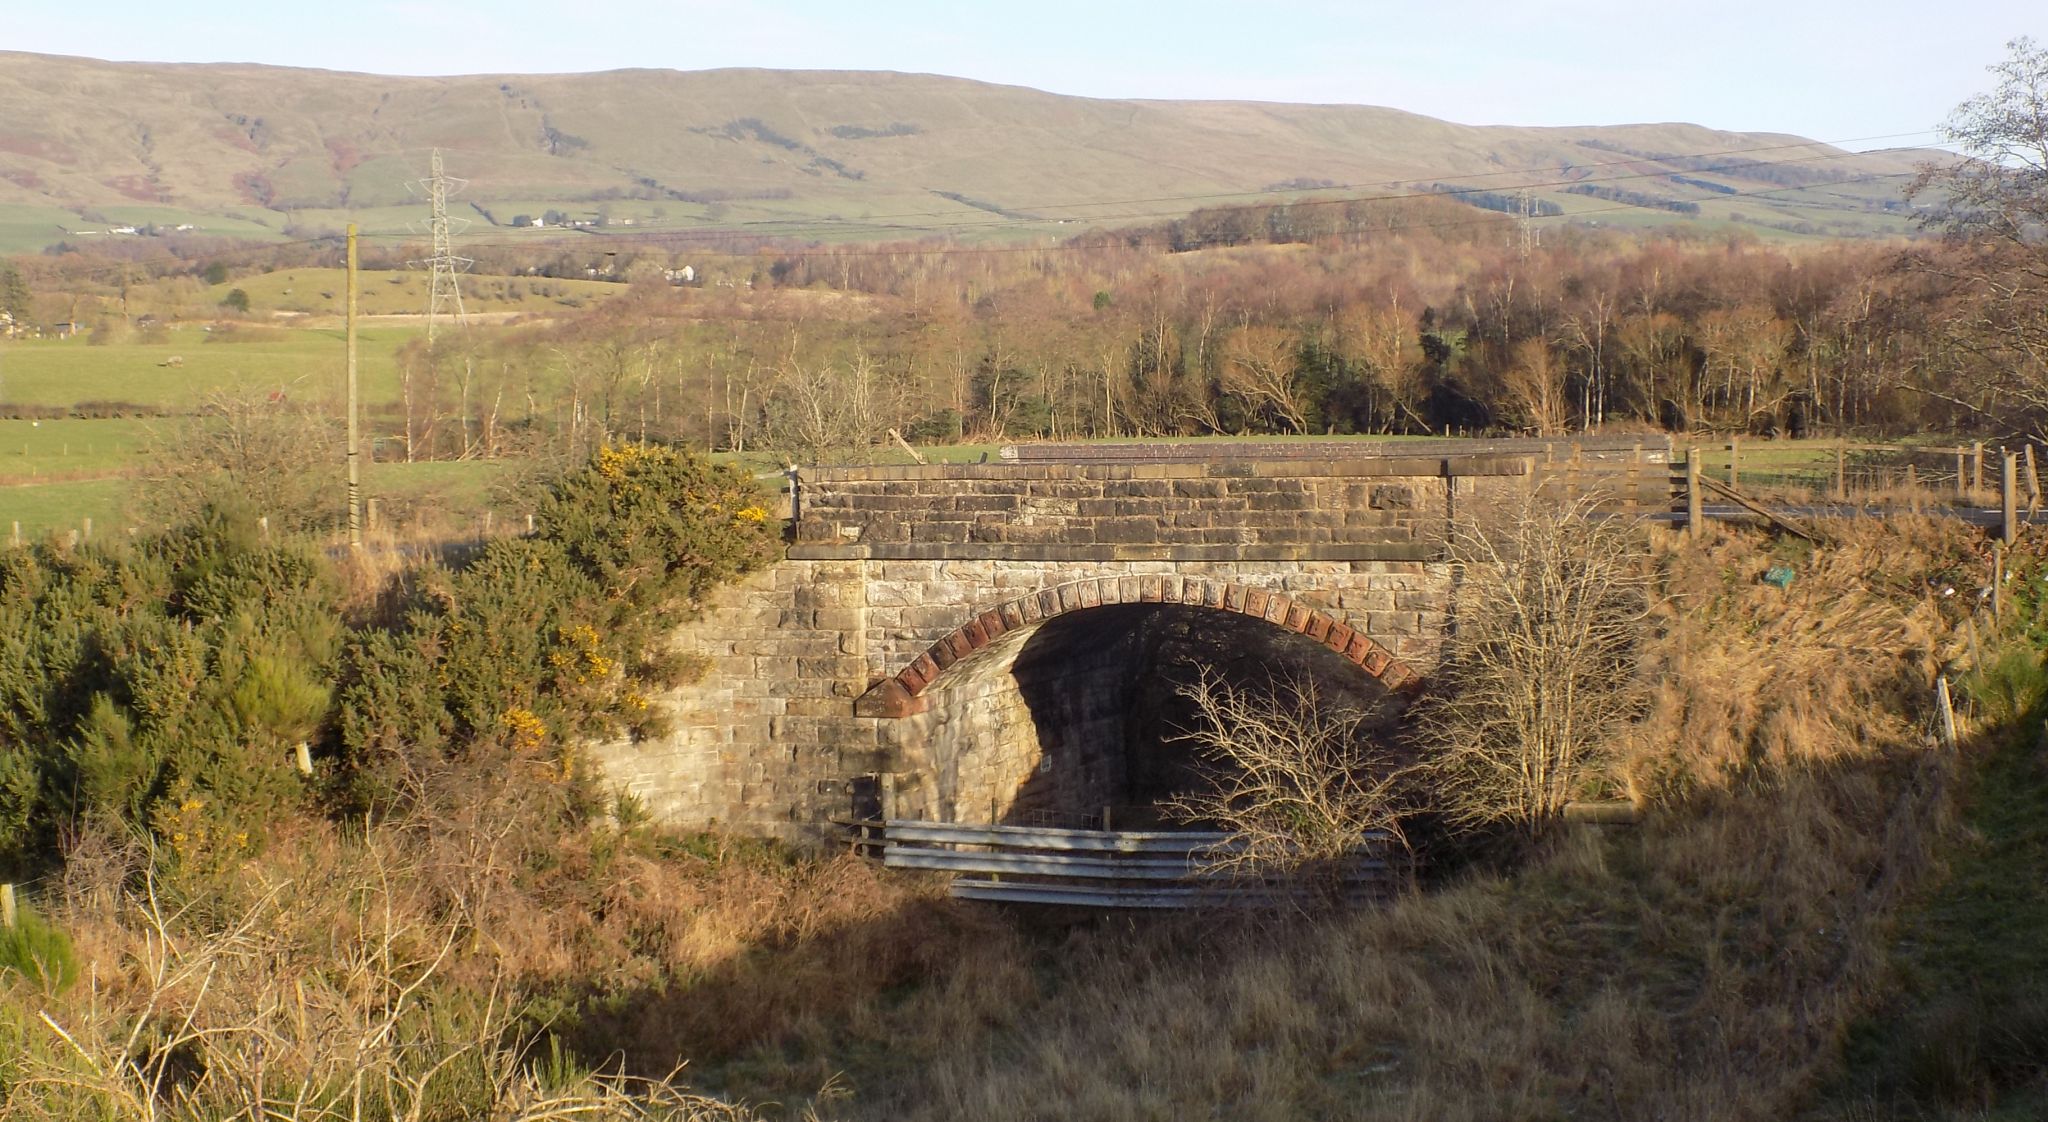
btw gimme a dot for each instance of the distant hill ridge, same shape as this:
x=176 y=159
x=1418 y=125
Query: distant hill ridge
x=877 y=153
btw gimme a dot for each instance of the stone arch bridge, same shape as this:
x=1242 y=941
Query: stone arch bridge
x=988 y=642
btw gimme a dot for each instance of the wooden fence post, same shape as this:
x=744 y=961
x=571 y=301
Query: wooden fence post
x=2009 y=496
x=1977 y=466
x=1997 y=579
x=1841 y=471
x=7 y=906
x=2033 y=480
x=1734 y=461
x=1962 y=478
x=1944 y=708
x=1692 y=490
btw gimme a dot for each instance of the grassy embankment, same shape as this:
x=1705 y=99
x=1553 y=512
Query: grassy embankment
x=1964 y=1034
x=1707 y=964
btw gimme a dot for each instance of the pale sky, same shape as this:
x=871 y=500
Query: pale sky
x=1830 y=70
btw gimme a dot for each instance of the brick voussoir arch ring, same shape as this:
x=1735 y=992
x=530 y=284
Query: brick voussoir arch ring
x=902 y=694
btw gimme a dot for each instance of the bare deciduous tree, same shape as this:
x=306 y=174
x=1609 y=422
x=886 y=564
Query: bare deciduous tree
x=1535 y=389
x=1259 y=366
x=1299 y=784
x=245 y=449
x=1996 y=201
x=818 y=411
x=1541 y=664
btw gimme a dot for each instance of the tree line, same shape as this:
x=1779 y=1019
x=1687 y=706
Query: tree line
x=1408 y=333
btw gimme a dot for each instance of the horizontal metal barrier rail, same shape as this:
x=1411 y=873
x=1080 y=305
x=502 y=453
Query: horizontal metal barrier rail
x=1131 y=896
x=1104 y=868
x=1046 y=837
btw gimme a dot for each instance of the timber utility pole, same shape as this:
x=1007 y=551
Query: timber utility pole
x=444 y=298
x=355 y=441
x=1526 y=221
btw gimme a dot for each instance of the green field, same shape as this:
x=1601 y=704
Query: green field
x=451 y=497
x=381 y=292
x=69 y=447
x=57 y=507
x=305 y=364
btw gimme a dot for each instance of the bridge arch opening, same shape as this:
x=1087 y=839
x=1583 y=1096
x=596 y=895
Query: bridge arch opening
x=1079 y=714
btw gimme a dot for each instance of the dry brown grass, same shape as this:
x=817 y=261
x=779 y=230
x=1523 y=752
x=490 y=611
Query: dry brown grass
x=1703 y=965
x=457 y=943
x=1836 y=667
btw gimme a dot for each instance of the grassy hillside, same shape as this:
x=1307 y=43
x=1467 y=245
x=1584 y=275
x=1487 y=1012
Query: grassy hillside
x=249 y=150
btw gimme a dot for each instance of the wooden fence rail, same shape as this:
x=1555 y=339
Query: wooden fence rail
x=1944 y=479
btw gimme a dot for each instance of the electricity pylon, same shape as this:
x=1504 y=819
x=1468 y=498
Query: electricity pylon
x=444 y=296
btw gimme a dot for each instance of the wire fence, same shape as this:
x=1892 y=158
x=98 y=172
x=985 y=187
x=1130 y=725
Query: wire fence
x=1890 y=474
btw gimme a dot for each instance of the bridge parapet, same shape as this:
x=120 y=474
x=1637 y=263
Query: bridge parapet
x=1329 y=503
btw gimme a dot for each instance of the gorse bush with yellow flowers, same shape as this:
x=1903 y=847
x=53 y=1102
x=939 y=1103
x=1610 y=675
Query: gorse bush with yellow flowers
x=544 y=640
x=163 y=686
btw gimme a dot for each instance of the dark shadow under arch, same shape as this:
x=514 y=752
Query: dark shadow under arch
x=1070 y=720
x=902 y=694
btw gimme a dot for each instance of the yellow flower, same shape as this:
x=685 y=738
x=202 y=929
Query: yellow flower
x=529 y=732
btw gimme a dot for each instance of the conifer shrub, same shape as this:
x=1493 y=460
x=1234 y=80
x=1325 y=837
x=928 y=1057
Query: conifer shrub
x=162 y=686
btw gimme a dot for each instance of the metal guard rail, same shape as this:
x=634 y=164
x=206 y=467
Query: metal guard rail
x=1102 y=868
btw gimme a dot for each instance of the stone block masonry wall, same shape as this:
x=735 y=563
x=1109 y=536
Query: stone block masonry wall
x=764 y=742
x=1380 y=509
x=1371 y=507
x=841 y=661
x=768 y=740
x=1017 y=731
x=1225 y=510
